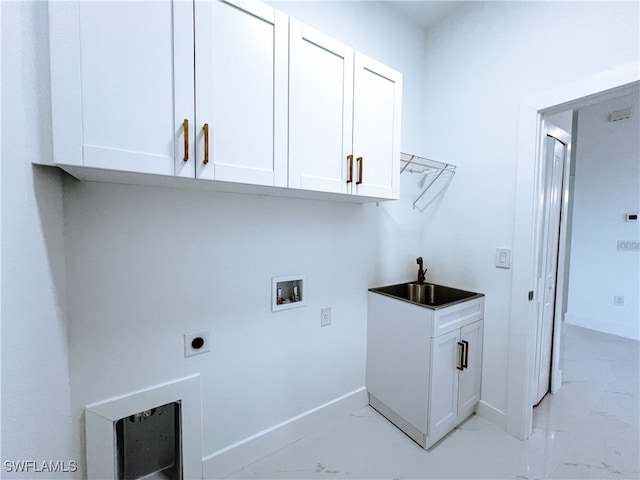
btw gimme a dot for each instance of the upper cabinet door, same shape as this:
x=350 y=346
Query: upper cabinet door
x=241 y=92
x=376 y=128
x=122 y=85
x=320 y=110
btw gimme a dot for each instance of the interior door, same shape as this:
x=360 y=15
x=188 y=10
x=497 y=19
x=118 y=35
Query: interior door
x=241 y=92
x=553 y=172
x=376 y=128
x=320 y=110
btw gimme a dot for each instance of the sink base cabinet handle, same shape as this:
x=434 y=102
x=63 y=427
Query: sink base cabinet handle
x=461 y=365
x=466 y=354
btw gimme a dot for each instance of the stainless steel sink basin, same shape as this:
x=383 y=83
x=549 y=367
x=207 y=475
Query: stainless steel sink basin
x=426 y=294
x=421 y=292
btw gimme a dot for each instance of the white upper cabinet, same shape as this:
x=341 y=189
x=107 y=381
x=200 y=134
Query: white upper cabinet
x=229 y=91
x=241 y=70
x=344 y=118
x=376 y=128
x=320 y=110
x=122 y=84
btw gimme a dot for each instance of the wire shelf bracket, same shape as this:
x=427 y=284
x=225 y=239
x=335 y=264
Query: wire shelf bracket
x=432 y=171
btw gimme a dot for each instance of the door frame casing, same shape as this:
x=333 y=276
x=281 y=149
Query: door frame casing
x=526 y=246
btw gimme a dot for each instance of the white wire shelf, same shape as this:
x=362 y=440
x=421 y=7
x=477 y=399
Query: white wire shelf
x=432 y=171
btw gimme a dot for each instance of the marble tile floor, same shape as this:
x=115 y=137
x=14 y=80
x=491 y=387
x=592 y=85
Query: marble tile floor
x=588 y=430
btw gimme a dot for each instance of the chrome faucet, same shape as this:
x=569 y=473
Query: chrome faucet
x=422 y=272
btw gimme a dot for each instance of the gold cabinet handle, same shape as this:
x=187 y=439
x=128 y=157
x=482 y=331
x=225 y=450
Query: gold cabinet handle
x=350 y=160
x=185 y=126
x=205 y=127
x=466 y=354
x=359 y=160
x=461 y=365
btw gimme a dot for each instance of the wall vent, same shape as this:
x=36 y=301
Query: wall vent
x=620 y=115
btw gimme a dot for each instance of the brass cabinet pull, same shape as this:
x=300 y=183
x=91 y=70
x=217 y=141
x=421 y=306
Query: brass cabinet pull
x=466 y=354
x=205 y=127
x=350 y=160
x=461 y=365
x=185 y=125
x=359 y=160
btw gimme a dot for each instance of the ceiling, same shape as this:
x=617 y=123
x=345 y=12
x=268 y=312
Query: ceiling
x=425 y=13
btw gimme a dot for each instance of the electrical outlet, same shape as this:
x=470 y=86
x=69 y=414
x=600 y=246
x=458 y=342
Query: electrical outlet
x=325 y=316
x=618 y=300
x=196 y=343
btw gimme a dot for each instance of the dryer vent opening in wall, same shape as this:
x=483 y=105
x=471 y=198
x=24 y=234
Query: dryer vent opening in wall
x=149 y=444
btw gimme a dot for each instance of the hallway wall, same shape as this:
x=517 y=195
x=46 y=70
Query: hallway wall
x=607 y=186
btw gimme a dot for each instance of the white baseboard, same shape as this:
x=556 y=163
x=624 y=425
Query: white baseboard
x=231 y=458
x=492 y=414
x=626 y=331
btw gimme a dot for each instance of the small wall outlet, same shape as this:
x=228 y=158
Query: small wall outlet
x=325 y=316
x=618 y=300
x=196 y=343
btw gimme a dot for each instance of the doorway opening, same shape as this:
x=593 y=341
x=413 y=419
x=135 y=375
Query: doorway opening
x=600 y=184
x=527 y=232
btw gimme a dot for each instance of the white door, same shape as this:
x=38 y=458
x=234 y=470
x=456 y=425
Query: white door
x=469 y=379
x=122 y=85
x=241 y=92
x=555 y=152
x=446 y=352
x=376 y=128
x=320 y=110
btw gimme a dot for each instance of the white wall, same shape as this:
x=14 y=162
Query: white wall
x=607 y=182
x=36 y=420
x=147 y=265
x=482 y=61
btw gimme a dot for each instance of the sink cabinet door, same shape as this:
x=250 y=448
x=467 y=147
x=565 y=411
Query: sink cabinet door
x=454 y=392
x=443 y=398
x=469 y=378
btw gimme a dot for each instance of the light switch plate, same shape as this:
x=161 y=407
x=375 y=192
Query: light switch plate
x=503 y=257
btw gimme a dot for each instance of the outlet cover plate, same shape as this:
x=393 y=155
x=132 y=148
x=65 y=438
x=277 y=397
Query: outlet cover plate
x=325 y=316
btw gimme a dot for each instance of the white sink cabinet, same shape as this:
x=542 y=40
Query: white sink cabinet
x=424 y=364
